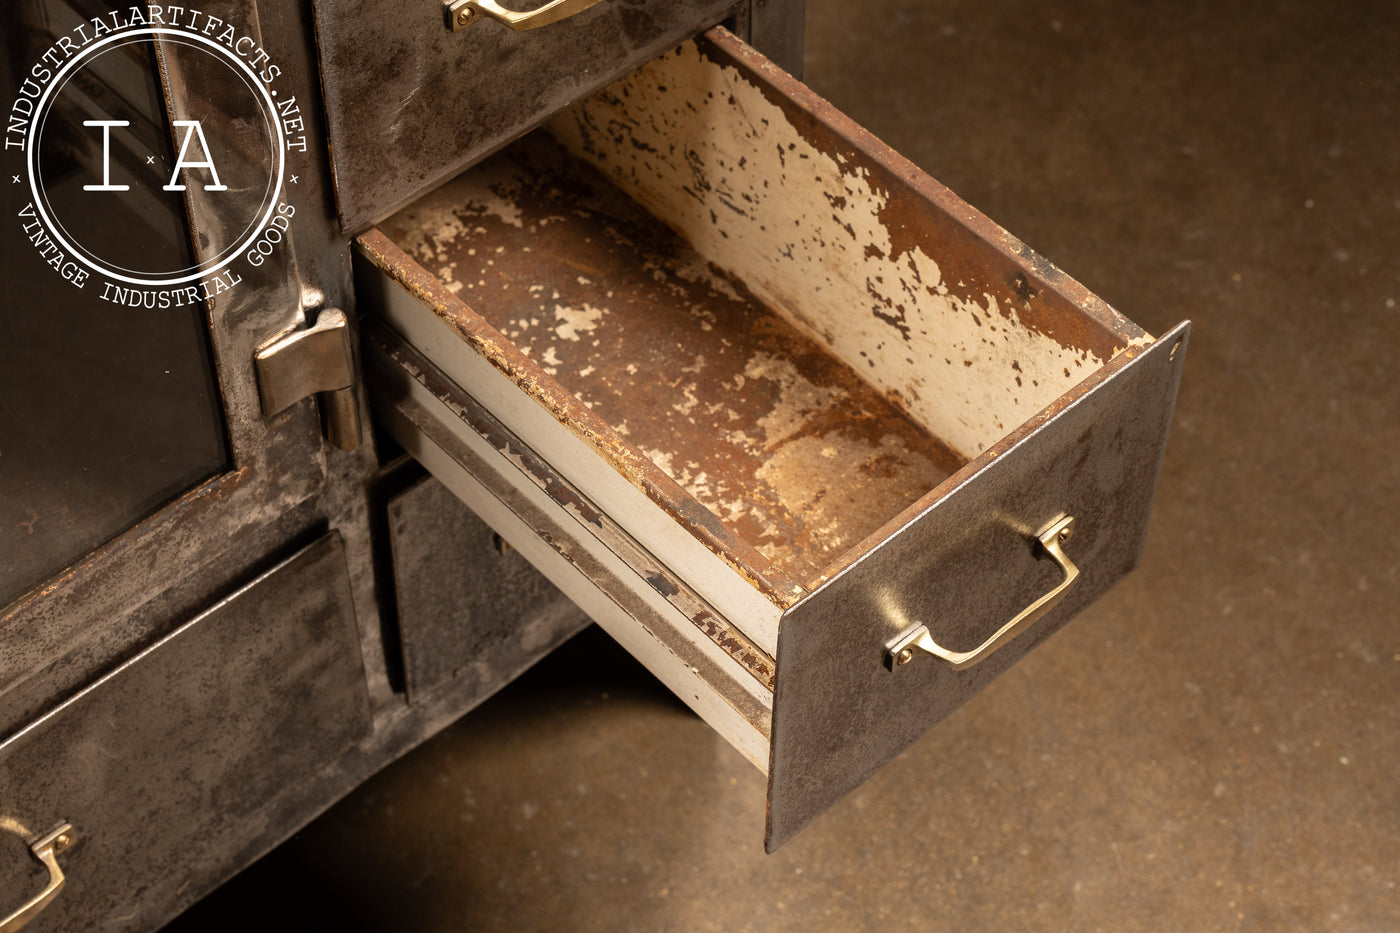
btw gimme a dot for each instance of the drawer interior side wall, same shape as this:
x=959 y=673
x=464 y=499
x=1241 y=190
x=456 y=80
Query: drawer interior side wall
x=919 y=294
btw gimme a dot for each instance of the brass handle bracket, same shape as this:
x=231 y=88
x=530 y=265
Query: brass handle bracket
x=1052 y=538
x=45 y=850
x=462 y=13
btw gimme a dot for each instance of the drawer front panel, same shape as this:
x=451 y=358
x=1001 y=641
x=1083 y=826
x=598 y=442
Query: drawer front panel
x=964 y=567
x=410 y=103
x=174 y=760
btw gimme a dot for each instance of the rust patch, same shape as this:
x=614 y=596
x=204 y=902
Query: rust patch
x=663 y=585
x=777 y=439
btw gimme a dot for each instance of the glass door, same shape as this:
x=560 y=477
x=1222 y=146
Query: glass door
x=107 y=411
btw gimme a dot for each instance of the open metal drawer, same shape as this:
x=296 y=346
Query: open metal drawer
x=803 y=430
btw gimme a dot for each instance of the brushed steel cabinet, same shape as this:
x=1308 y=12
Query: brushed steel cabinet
x=192 y=690
x=819 y=443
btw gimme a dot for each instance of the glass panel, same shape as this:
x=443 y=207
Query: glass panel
x=106 y=412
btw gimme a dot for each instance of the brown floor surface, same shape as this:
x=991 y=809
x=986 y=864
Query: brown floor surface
x=1216 y=744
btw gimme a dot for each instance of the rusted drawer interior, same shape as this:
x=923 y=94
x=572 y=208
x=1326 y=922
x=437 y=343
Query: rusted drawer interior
x=767 y=363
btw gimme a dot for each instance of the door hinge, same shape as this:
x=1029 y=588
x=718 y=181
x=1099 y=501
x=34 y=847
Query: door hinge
x=318 y=360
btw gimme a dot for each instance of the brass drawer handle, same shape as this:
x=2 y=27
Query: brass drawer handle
x=46 y=851
x=1052 y=538
x=462 y=13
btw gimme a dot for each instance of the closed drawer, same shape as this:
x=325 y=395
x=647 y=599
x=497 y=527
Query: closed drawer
x=173 y=765
x=410 y=102
x=805 y=431
x=472 y=613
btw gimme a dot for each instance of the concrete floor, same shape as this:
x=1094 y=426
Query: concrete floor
x=1216 y=744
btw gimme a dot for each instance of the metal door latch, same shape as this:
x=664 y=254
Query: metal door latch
x=318 y=360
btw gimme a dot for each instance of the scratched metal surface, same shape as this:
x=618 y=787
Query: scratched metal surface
x=95 y=609
x=964 y=567
x=470 y=631
x=179 y=757
x=786 y=445
x=411 y=103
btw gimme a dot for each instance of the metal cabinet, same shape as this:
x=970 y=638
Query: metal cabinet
x=812 y=438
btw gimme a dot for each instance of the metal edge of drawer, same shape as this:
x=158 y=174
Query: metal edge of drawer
x=964 y=566
x=689 y=647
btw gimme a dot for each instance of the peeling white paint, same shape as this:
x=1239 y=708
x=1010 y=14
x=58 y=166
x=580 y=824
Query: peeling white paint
x=440 y=217
x=688 y=400
x=705 y=151
x=798 y=402
x=576 y=321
